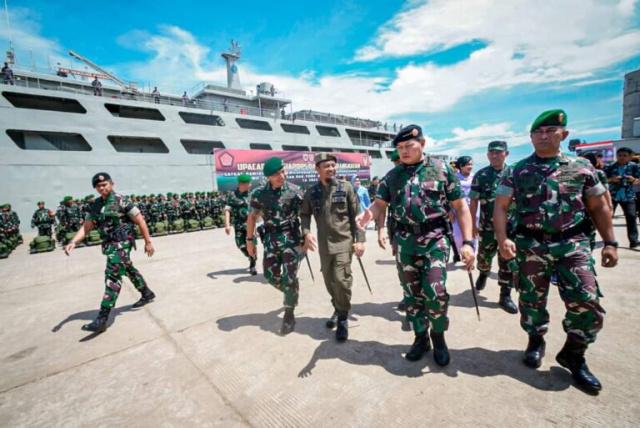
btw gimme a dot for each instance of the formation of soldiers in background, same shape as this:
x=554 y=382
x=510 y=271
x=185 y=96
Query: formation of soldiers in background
x=165 y=214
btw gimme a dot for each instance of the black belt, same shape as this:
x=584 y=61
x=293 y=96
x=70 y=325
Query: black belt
x=539 y=235
x=422 y=228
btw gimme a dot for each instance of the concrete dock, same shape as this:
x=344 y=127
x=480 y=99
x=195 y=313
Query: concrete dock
x=207 y=352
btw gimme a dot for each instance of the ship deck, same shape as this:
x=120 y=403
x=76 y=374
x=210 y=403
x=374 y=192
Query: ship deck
x=207 y=351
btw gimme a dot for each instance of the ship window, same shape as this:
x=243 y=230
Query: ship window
x=347 y=151
x=295 y=148
x=202 y=119
x=40 y=102
x=296 y=129
x=57 y=141
x=137 y=144
x=375 y=154
x=327 y=131
x=322 y=149
x=260 y=146
x=131 y=112
x=201 y=147
x=254 y=124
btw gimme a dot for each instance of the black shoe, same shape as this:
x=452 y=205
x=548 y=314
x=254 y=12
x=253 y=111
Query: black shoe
x=420 y=346
x=634 y=245
x=402 y=306
x=481 y=282
x=342 y=332
x=507 y=304
x=98 y=325
x=535 y=351
x=253 y=271
x=147 y=297
x=572 y=357
x=331 y=322
x=288 y=322
x=440 y=350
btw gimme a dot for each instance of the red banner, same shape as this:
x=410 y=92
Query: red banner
x=299 y=166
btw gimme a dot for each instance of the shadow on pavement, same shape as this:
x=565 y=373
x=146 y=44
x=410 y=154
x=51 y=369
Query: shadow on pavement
x=90 y=316
x=465 y=300
x=214 y=275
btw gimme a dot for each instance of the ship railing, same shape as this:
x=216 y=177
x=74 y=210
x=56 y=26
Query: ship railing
x=336 y=119
x=370 y=142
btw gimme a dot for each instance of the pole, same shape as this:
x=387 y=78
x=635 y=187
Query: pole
x=473 y=292
x=365 y=275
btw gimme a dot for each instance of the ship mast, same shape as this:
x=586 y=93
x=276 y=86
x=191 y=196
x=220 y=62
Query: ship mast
x=231 y=56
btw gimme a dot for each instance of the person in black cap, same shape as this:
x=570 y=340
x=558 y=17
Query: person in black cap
x=114 y=215
x=416 y=192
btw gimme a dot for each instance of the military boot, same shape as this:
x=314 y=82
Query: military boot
x=147 y=297
x=506 y=303
x=532 y=356
x=252 y=267
x=342 y=332
x=288 y=321
x=402 y=306
x=420 y=346
x=440 y=349
x=572 y=357
x=98 y=325
x=481 y=282
x=331 y=322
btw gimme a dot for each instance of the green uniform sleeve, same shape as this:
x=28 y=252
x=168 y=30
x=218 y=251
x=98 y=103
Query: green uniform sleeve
x=305 y=213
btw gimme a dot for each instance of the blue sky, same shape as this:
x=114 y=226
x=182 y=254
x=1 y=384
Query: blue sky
x=468 y=71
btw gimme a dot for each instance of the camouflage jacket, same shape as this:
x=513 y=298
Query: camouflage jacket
x=279 y=207
x=42 y=217
x=549 y=193
x=418 y=194
x=238 y=207
x=73 y=215
x=623 y=190
x=113 y=218
x=483 y=187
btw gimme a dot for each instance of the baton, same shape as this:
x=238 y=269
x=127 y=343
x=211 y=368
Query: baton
x=365 y=274
x=309 y=264
x=473 y=291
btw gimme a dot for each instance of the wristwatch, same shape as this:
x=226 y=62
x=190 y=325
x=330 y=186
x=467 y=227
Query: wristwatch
x=469 y=243
x=611 y=244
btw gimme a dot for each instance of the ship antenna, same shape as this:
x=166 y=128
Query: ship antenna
x=10 y=55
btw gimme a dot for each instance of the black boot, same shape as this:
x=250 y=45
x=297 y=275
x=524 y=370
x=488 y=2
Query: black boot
x=252 y=267
x=147 y=297
x=535 y=351
x=331 y=322
x=572 y=357
x=288 y=322
x=506 y=303
x=402 y=306
x=342 y=332
x=98 y=325
x=481 y=282
x=440 y=350
x=420 y=346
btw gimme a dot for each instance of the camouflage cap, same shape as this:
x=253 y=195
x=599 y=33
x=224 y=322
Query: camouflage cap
x=556 y=117
x=407 y=133
x=243 y=178
x=394 y=156
x=67 y=199
x=272 y=165
x=497 y=145
x=323 y=157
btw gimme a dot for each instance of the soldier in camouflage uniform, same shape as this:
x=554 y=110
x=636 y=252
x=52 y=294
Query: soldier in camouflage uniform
x=416 y=192
x=552 y=193
x=43 y=219
x=114 y=214
x=278 y=203
x=483 y=190
x=237 y=209
x=15 y=224
x=602 y=176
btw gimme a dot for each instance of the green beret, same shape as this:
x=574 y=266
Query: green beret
x=322 y=157
x=272 y=165
x=497 y=145
x=244 y=178
x=67 y=199
x=40 y=202
x=407 y=133
x=394 y=156
x=556 y=117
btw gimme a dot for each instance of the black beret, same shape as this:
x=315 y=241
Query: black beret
x=407 y=133
x=99 y=178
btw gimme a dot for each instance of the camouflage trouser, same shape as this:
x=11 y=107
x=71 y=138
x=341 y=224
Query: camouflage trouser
x=577 y=285
x=118 y=264
x=44 y=230
x=241 y=241
x=423 y=281
x=280 y=265
x=487 y=249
